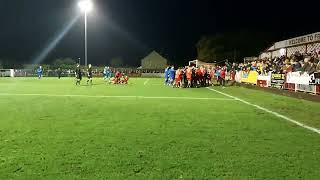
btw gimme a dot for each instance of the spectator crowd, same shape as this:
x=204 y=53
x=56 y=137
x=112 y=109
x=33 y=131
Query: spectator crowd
x=304 y=63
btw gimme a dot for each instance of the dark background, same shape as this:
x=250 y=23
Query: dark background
x=131 y=29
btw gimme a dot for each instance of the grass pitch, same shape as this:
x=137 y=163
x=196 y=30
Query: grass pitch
x=51 y=129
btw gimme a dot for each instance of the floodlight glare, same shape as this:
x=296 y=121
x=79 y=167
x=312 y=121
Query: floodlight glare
x=85 y=5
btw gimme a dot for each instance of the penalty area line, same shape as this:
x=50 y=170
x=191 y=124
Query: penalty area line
x=269 y=111
x=132 y=97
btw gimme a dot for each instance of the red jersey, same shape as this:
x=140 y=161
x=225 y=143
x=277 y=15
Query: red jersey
x=118 y=74
x=198 y=72
x=222 y=73
x=203 y=72
x=177 y=74
x=189 y=73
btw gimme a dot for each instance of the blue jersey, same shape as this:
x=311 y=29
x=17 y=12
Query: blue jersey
x=106 y=72
x=172 y=73
x=218 y=73
x=39 y=71
x=166 y=73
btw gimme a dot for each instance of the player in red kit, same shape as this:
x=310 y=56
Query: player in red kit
x=223 y=76
x=189 y=77
x=178 y=78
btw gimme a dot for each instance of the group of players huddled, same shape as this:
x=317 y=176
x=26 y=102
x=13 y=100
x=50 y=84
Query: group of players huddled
x=193 y=77
x=112 y=78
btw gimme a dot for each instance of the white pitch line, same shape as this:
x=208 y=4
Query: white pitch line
x=187 y=98
x=134 y=97
x=146 y=82
x=269 y=111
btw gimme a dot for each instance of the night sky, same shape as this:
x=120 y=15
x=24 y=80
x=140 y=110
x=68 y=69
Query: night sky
x=130 y=29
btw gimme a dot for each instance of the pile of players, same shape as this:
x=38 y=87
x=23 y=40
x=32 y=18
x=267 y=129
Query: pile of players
x=114 y=78
x=193 y=77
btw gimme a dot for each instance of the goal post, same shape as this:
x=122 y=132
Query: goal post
x=7 y=73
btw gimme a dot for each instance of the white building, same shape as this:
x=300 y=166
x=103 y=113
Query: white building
x=154 y=61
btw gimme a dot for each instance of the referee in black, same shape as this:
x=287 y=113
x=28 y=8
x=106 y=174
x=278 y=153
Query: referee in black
x=78 y=74
x=89 y=74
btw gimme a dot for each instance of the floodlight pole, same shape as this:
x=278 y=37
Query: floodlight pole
x=85 y=38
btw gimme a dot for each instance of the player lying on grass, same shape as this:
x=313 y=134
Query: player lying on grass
x=120 y=78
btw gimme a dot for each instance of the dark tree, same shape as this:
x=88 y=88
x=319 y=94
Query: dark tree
x=64 y=63
x=232 y=46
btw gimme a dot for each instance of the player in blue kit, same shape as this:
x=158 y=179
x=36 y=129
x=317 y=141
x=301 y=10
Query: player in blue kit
x=172 y=74
x=106 y=73
x=166 y=76
x=40 y=72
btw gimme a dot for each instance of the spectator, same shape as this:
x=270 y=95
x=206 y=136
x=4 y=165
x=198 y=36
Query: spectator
x=296 y=66
x=318 y=67
x=305 y=65
x=308 y=66
x=288 y=67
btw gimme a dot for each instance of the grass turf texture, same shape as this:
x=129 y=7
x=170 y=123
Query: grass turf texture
x=56 y=137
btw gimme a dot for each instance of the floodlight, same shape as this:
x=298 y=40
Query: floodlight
x=85 y=6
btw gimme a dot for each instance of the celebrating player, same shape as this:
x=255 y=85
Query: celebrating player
x=177 y=82
x=166 y=74
x=106 y=73
x=189 y=76
x=125 y=79
x=172 y=73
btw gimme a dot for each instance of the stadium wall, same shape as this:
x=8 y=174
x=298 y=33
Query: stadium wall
x=293 y=81
x=7 y=73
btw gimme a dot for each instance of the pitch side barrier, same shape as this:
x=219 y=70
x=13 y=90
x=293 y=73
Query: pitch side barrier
x=6 y=72
x=293 y=81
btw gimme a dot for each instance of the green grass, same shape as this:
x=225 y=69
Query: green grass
x=62 y=137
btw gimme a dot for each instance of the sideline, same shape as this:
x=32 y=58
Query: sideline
x=269 y=111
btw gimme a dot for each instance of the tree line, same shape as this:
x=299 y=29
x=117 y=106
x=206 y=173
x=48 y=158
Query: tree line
x=233 y=46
